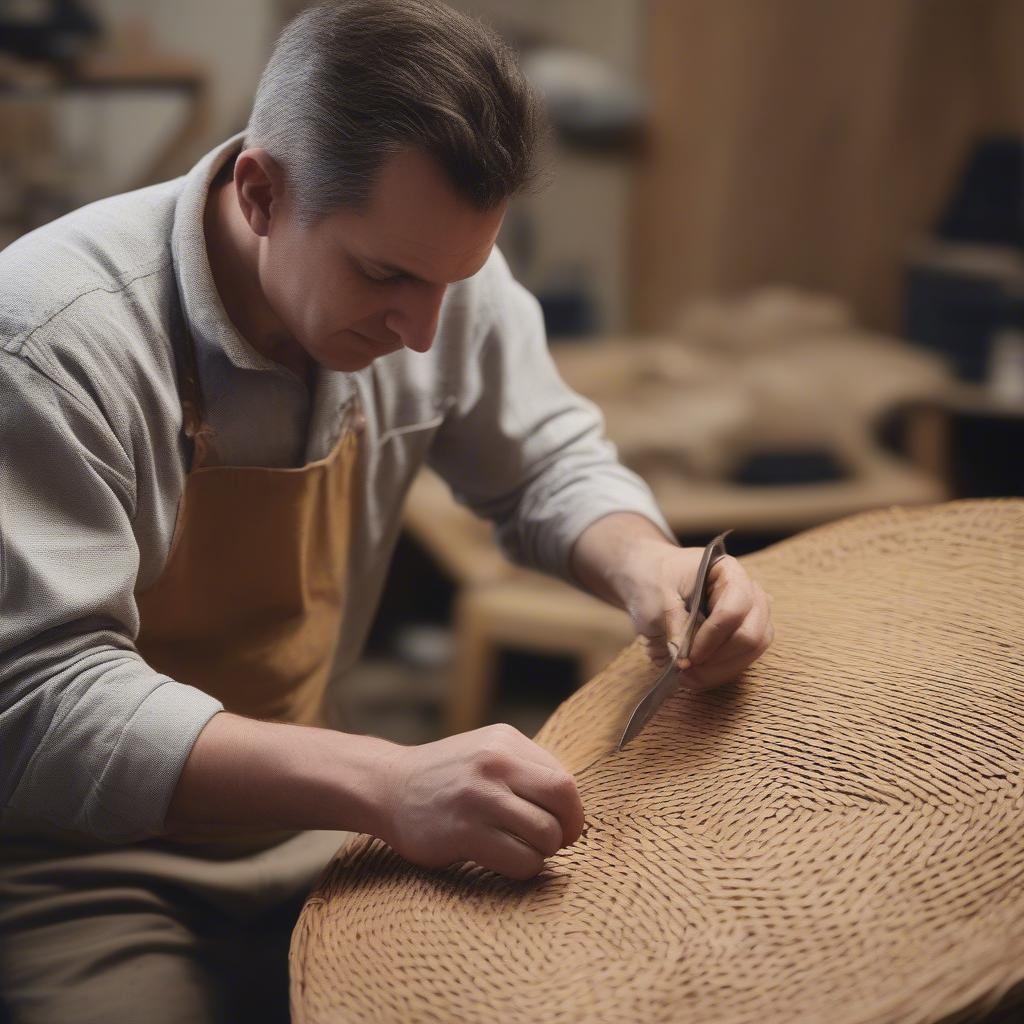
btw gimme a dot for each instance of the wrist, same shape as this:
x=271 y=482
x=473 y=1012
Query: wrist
x=615 y=555
x=364 y=780
x=243 y=774
x=636 y=567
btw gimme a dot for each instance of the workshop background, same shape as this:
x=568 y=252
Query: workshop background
x=782 y=246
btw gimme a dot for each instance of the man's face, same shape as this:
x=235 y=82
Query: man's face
x=357 y=285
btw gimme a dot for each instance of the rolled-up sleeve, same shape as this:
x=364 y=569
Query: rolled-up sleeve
x=518 y=446
x=92 y=739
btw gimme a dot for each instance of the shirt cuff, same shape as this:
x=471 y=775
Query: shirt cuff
x=549 y=546
x=131 y=798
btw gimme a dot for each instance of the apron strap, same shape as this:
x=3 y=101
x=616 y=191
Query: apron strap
x=197 y=430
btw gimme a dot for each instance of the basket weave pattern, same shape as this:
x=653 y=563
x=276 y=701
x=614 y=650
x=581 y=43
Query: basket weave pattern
x=837 y=837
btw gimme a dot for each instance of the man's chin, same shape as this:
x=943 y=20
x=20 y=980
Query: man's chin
x=346 y=362
x=356 y=352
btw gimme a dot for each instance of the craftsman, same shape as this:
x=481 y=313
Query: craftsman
x=214 y=393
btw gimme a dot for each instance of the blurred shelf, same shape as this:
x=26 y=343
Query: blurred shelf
x=701 y=507
x=978 y=400
x=106 y=73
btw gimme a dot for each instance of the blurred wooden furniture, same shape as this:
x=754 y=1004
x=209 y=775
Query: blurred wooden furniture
x=680 y=421
x=30 y=178
x=770 y=373
x=129 y=64
x=531 y=612
x=132 y=63
x=500 y=605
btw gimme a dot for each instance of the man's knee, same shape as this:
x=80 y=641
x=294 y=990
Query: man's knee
x=102 y=970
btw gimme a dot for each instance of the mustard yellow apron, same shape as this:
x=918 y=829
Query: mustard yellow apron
x=249 y=609
x=249 y=605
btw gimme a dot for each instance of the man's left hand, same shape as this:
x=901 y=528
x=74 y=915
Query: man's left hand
x=738 y=631
x=626 y=559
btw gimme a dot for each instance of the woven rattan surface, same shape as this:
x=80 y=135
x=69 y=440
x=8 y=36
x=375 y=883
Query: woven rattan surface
x=838 y=837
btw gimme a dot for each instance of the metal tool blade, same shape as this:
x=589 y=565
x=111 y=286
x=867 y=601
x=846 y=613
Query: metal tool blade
x=653 y=699
x=665 y=685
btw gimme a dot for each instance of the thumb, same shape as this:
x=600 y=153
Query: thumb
x=675 y=623
x=659 y=620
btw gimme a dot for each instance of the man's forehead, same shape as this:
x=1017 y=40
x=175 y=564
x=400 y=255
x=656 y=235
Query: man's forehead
x=415 y=223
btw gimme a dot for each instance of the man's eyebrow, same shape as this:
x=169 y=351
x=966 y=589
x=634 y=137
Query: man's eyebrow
x=390 y=268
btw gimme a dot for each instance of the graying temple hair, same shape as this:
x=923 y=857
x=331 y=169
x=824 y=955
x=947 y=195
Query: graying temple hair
x=351 y=82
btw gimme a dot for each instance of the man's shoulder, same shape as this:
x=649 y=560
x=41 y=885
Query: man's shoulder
x=85 y=300
x=97 y=251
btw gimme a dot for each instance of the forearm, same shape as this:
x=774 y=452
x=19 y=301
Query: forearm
x=605 y=556
x=250 y=775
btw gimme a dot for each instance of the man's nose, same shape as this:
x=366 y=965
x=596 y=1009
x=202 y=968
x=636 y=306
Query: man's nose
x=414 y=315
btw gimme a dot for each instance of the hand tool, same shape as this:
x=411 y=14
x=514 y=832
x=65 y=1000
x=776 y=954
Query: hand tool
x=665 y=685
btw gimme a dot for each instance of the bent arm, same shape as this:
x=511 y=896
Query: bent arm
x=491 y=796
x=247 y=775
x=92 y=739
x=523 y=449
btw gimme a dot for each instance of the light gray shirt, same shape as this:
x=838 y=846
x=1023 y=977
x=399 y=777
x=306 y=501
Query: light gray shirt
x=93 y=463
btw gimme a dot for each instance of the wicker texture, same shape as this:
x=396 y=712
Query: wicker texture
x=838 y=837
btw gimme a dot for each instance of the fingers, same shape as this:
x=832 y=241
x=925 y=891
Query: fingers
x=553 y=793
x=529 y=823
x=674 y=617
x=658 y=649
x=657 y=606
x=538 y=813
x=508 y=855
x=663 y=628
x=731 y=599
x=740 y=621
x=491 y=796
x=716 y=673
x=507 y=757
x=504 y=738
x=533 y=775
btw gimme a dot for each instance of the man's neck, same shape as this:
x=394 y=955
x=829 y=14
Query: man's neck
x=233 y=252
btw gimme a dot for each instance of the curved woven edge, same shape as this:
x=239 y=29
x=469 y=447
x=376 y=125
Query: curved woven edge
x=986 y=986
x=306 y=932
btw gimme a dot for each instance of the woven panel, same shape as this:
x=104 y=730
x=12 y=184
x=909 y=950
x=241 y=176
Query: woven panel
x=837 y=837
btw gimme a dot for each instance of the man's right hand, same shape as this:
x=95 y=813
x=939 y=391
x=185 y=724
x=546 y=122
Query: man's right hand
x=491 y=796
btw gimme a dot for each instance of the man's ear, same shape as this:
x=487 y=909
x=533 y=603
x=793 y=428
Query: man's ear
x=260 y=186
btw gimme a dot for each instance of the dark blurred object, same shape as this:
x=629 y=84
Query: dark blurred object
x=965 y=300
x=772 y=468
x=958 y=297
x=56 y=31
x=567 y=314
x=39 y=180
x=967 y=283
x=985 y=454
x=599 y=113
x=988 y=206
x=567 y=304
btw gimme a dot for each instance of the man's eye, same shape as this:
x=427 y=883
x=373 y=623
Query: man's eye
x=370 y=275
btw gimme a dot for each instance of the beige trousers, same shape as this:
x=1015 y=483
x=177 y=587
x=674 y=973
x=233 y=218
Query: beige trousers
x=151 y=932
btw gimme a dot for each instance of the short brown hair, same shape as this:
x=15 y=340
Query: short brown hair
x=351 y=82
